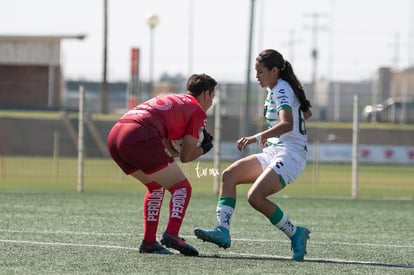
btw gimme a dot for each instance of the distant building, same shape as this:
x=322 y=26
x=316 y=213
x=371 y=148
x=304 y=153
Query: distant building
x=30 y=71
x=117 y=96
x=333 y=100
x=402 y=84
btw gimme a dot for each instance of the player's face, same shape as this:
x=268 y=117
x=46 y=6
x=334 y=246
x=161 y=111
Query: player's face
x=207 y=99
x=210 y=96
x=265 y=77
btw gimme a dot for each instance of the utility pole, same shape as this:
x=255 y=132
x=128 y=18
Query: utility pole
x=103 y=102
x=152 y=21
x=290 y=44
x=245 y=119
x=315 y=28
x=190 y=36
x=411 y=34
x=396 y=46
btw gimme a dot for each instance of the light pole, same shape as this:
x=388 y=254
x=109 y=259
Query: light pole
x=103 y=101
x=245 y=121
x=152 y=21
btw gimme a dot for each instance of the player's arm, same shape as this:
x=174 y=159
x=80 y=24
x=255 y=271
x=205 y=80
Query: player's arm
x=174 y=153
x=285 y=125
x=189 y=149
x=202 y=146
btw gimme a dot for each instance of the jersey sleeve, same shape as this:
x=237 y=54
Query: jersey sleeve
x=284 y=98
x=198 y=123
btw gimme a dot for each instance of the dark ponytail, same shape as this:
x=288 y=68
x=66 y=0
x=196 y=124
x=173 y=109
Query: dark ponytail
x=288 y=75
x=271 y=58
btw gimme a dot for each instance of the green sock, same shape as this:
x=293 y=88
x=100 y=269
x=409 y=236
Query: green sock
x=276 y=216
x=281 y=221
x=225 y=209
x=229 y=201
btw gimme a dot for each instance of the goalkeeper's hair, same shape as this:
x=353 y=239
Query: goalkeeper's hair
x=198 y=83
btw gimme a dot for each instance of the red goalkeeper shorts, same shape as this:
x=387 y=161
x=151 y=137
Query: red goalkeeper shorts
x=135 y=147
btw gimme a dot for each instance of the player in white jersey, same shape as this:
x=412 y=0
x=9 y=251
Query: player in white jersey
x=283 y=158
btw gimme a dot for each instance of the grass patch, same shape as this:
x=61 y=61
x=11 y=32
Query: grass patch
x=102 y=175
x=96 y=233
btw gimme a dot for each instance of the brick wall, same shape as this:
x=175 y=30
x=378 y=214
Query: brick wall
x=28 y=86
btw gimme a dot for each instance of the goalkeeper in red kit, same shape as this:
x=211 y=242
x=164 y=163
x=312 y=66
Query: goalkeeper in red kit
x=140 y=143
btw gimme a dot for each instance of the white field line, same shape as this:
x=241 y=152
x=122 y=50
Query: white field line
x=253 y=256
x=326 y=260
x=67 y=244
x=64 y=233
x=311 y=242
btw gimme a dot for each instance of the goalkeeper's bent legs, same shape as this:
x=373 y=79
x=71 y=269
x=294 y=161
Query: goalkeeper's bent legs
x=180 y=198
x=152 y=207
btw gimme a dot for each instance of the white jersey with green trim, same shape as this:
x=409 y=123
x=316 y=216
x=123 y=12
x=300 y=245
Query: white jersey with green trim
x=283 y=97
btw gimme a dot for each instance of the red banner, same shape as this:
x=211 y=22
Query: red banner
x=134 y=61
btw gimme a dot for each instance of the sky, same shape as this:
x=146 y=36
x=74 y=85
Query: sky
x=354 y=37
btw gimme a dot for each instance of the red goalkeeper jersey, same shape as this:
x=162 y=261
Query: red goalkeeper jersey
x=173 y=115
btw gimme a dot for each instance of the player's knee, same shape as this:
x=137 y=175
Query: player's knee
x=254 y=198
x=188 y=186
x=182 y=185
x=228 y=178
x=154 y=186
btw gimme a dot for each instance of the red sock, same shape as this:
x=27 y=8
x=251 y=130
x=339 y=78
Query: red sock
x=152 y=207
x=180 y=197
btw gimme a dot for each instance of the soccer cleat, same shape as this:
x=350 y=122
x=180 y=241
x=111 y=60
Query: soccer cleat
x=154 y=248
x=299 y=240
x=219 y=236
x=179 y=244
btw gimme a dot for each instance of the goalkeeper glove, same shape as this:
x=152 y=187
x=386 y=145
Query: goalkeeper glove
x=207 y=143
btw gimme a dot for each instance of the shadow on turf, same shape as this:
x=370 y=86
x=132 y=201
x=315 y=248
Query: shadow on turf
x=323 y=261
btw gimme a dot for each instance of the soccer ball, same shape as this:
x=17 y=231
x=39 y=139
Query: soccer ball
x=178 y=143
x=200 y=138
